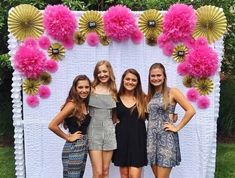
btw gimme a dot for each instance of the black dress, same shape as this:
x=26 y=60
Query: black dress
x=131 y=138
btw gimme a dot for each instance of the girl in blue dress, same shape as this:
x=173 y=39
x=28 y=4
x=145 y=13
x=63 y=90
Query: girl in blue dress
x=163 y=149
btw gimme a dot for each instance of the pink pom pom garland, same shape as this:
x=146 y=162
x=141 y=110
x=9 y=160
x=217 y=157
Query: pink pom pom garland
x=119 y=23
x=92 y=39
x=32 y=101
x=51 y=66
x=44 y=42
x=179 y=22
x=29 y=60
x=44 y=92
x=60 y=23
x=203 y=102
x=192 y=94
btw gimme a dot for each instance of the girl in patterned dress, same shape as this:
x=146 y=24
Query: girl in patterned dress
x=163 y=150
x=101 y=131
x=74 y=115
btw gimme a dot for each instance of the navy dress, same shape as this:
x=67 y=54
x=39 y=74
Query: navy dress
x=162 y=146
x=131 y=138
x=74 y=154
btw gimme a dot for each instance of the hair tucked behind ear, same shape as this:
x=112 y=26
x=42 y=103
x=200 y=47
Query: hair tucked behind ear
x=165 y=89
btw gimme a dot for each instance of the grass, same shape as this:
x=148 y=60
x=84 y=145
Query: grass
x=7 y=164
x=225 y=161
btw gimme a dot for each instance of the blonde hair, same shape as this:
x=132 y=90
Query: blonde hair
x=111 y=82
x=165 y=88
x=138 y=93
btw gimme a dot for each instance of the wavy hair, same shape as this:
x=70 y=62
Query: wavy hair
x=138 y=93
x=111 y=82
x=76 y=99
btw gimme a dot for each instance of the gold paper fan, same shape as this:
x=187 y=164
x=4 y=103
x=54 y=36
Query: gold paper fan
x=25 y=21
x=104 y=40
x=30 y=86
x=79 y=38
x=150 y=23
x=91 y=21
x=188 y=81
x=204 y=86
x=56 y=51
x=211 y=23
x=179 y=52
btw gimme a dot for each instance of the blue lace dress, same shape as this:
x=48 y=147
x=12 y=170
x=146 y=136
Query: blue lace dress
x=162 y=146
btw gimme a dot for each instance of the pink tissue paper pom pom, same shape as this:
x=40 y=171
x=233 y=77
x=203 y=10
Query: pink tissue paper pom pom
x=202 y=61
x=179 y=22
x=168 y=48
x=44 y=91
x=32 y=101
x=189 y=42
x=44 y=42
x=201 y=42
x=192 y=94
x=137 y=37
x=182 y=69
x=51 y=66
x=203 y=102
x=29 y=61
x=92 y=39
x=30 y=42
x=162 y=40
x=60 y=23
x=119 y=23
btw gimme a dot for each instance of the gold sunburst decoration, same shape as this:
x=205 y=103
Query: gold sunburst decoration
x=211 y=23
x=45 y=78
x=188 y=81
x=25 y=21
x=79 y=38
x=91 y=21
x=30 y=86
x=56 y=51
x=150 y=23
x=151 y=40
x=179 y=52
x=104 y=40
x=204 y=86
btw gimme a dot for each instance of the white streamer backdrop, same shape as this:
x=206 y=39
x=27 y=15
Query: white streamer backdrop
x=42 y=148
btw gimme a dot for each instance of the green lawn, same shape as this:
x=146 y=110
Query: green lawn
x=7 y=164
x=225 y=161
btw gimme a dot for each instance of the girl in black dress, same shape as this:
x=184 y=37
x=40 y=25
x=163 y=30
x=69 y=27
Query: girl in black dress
x=74 y=114
x=131 y=154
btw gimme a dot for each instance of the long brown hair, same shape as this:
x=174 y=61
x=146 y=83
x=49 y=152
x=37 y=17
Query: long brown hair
x=165 y=89
x=138 y=92
x=111 y=82
x=76 y=99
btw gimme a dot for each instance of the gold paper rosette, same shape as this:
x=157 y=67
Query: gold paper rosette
x=45 y=78
x=30 y=86
x=179 y=52
x=25 y=21
x=150 y=23
x=151 y=40
x=188 y=81
x=204 y=86
x=211 y=23
x=79 y=38
x=104 y=40
x=56 y=51
x=91 y=21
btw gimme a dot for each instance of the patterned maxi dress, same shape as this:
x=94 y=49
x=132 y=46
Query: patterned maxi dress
x=162 y=146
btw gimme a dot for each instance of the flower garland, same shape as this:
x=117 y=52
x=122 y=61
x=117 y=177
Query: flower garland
x=179 y=33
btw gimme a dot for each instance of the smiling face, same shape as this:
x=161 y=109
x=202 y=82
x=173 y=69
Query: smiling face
x=156 y=77
x=103 y=74
x=130 y=81
x=83 y=88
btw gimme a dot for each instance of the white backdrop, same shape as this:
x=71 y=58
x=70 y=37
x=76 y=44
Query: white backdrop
x=40 y=156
